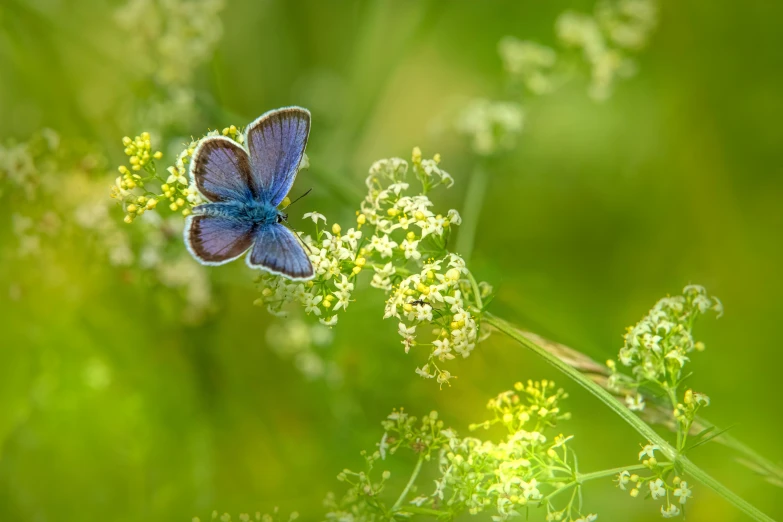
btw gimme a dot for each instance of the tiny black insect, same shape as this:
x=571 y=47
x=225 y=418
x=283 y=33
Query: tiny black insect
x=419 y=302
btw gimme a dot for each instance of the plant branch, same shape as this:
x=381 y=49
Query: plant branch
x=409 y=485
x=636 y=423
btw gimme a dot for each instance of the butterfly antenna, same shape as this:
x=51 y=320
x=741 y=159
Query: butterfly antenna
x=297 y=199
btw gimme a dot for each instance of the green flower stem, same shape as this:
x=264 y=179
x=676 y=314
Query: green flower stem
x=628 y=416
x=585 y=477
x=409 y=485
x=474 y=198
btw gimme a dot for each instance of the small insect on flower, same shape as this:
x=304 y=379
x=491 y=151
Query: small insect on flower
x=244 y=188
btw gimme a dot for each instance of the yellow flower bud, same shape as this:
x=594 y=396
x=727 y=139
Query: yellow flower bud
x=132 y=208
x=173 y=207
x=136 y=167
x=158 y=155
x=327 y=304
x=356 y=270
x=152 y=203
x=360 y=261
x=266 y=292
x=128 y=219
x=329 y=298
x=232 y=129
x=407 y=307
x=392 y=212
x=436 y=157
x=336 y=229
x=126 y=141
x=180 y=202
x=123 y=169
x=145 y=136
x=416 y=156
x=452 y=274
x=410 y=236
x=634 y=492
x=286 y=201
x=186 y=212
x=419 y=215
x=361 y=219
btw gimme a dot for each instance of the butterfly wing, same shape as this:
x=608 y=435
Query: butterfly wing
x=215 y=240
x=276 y=142
x=221 y=170
x=279 y=251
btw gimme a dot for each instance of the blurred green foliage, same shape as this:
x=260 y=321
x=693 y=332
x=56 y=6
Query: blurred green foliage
x=115 y=404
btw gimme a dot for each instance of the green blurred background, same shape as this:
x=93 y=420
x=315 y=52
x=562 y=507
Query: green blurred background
x=119 y=402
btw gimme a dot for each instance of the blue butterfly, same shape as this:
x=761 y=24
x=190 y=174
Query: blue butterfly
x=244 y=188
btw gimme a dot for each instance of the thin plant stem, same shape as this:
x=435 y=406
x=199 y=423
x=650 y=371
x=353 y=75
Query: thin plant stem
x=680 y=461
x=409 y=485
x=585 y=477
x=474 y=198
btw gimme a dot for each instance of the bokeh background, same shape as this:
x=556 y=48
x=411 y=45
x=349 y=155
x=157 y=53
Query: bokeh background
x=135 y=385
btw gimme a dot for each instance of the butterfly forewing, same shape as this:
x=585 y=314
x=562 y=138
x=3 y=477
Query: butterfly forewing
x=221 y=170
x=276 y=142
x=215 y=240
x=278 y=250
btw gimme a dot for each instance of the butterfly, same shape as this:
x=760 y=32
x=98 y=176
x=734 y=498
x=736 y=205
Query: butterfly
x=243 y=188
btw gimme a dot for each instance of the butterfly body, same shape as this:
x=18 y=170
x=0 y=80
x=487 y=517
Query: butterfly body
x=243 y=188
x=259 y=213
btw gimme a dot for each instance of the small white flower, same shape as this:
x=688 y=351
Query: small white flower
x=635 y=403
x=315 y=216
x=411 y=249
x=675 y=355
x=424 y=372
x=623 y=479
x=649 y=451
x=657 y=489
x=331 y=321
x=406 y=331
x=683 y=492
x=352 y=237
x=671 y=511
x=311 y=304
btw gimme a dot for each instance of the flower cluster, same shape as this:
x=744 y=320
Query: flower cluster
x=606 y=40
x=662 y=482
x=657 y=348
x=440 y=295
x=529 y=467
x=171 y=37
x=529 y=62
x=140 y=187
x=491 y=126
x=73 y=209
x=617 y=28
x=396 y=229
x=166 y=41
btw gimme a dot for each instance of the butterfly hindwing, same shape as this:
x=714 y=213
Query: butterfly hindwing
x=279 y=251
x=276 y=142
x=214 y=240
x=221 y=170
